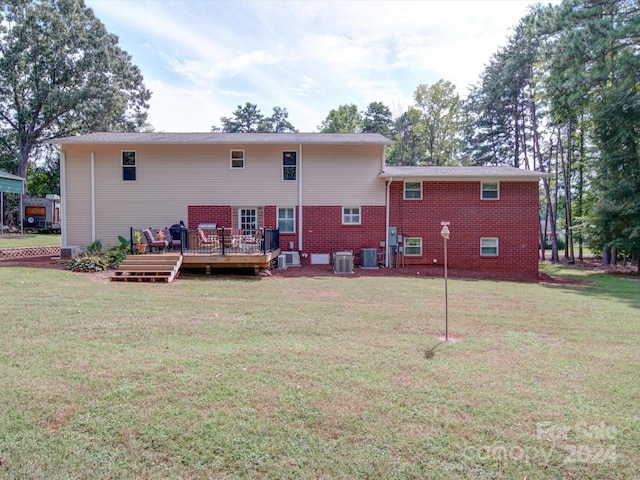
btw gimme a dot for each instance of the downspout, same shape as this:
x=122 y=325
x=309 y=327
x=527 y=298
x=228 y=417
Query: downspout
x=300 y=199
x=63 y=196
x=386 y=242
x=387 y=218
x=93 y=197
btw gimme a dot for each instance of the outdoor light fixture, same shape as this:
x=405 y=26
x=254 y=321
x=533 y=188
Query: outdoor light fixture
x=445 y=234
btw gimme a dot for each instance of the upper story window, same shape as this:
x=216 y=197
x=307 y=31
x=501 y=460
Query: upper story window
x=413 y=190
x=351 y=215
x=490 y=191
x=489 y=247
x=286 y=220
x=289 y=166
x=129 y=165
x=237 y=158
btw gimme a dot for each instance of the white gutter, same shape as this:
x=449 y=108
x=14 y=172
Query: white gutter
x=93 y=197
x=386 y=242
x=300 y=199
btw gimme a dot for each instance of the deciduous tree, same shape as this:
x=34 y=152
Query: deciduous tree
x=62 y=73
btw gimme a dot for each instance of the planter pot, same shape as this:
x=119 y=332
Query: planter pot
x=142 y=247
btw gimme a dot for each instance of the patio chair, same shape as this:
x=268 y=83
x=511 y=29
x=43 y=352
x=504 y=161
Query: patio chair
x=207 y=241
x=254 y=243
x=155 y=243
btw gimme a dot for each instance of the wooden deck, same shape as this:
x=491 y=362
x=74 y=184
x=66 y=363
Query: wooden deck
x=165 y=267
x=256 y=260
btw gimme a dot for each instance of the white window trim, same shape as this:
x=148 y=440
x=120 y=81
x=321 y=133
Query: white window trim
x=293 y=218
x=495 y=239
x=244 y=159
x=135 y=165
x=482 y=197
x=405 y=191
x=359 y=215
x=412 y=246
x=283 y=165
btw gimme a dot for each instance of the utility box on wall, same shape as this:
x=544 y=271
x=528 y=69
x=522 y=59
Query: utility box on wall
x=393 y=236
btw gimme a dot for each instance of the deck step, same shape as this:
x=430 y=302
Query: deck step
x=148 y=268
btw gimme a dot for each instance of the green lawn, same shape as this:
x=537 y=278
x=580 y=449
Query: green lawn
x=321 y=377
x=29 y=240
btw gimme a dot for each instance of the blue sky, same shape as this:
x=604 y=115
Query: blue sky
x=203 y=58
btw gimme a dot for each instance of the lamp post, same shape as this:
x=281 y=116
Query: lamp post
x=445 y=234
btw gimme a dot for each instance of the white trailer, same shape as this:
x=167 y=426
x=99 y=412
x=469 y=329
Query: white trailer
x=41 y=214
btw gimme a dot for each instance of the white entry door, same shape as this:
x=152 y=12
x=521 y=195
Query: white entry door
x=248 y=220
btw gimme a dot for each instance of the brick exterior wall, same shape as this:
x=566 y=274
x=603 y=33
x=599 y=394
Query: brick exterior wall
x=220 y=214
x=513 y=219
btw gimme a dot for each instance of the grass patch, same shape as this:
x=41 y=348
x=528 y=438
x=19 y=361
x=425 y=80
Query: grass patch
x=316 y=378
x=10 y=240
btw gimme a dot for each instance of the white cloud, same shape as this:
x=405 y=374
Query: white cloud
x=203 y=58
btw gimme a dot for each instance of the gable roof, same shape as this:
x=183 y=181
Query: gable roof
x=461 y=173
x=225 y=138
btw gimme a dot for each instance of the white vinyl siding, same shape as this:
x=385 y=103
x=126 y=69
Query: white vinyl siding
x=489 y=247
x=412 y=246
x=201 y=175
x=342 y=175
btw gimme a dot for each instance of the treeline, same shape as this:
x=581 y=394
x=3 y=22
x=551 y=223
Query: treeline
x=561 y=97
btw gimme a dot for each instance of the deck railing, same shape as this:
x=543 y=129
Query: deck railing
x=217 y=241
x=225 y=241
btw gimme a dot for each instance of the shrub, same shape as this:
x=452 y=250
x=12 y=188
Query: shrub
x=89 y=262
x=97 y=261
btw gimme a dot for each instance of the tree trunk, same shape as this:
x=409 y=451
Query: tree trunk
x=566 y=170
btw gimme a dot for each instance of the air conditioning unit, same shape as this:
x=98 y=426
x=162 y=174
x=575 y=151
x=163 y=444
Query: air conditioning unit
x=292 y=258
x=282 y=263
x=369 y=258
x=343 y=262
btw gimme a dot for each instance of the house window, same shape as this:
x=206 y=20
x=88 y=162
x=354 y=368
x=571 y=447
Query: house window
x=286 y=220
x=489 y=247
x=490 y=191
x=237 y=158
x=289 y=166
x=412 y=246
x=128 y=165
x=413 y=190
x=351 y=215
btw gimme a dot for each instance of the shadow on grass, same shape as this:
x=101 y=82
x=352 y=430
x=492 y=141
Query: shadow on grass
x=609 y=286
